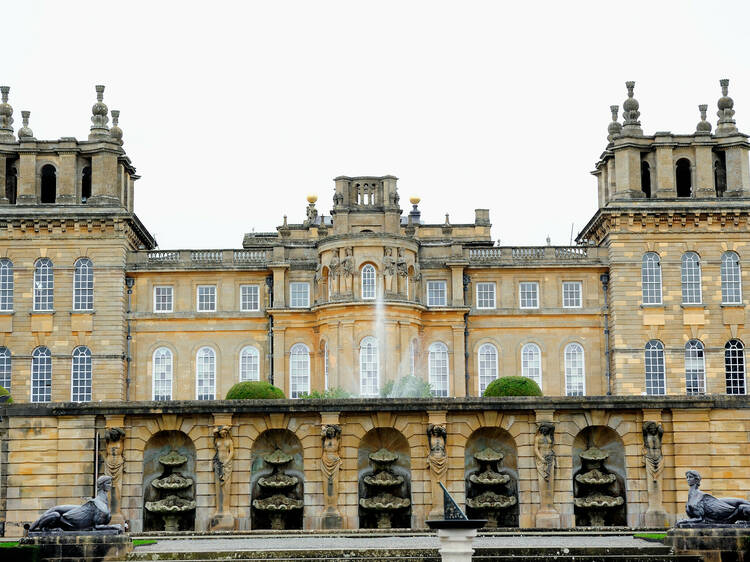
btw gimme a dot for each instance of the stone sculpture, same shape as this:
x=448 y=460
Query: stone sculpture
x=705 y=510
x=546 y=462
x=176 y=491
x=94 y=515
x=280 y=492
x=389 y=269
x=384 y=489
x=653 y=459
x=114 y=465
x=491 y=493
x=437 y=462
x=347 y=270
x=330 y=462
x=223 y=462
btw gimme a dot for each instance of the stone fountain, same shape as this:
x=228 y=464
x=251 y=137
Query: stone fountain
x=279 y=491
x=176 y=491
x=381 y=489
x=596 y=490
x=488 y=490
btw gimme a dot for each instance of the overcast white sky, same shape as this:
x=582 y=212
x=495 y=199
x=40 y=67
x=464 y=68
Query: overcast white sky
x=234 y=112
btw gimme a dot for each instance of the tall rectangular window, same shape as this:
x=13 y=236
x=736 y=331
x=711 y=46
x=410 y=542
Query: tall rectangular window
x=249 y=298
x=690 y=275
x=731 y=279
x=572 y=294
x=655 y=369
x=163 y=301
x=6 y=285
x=528 y=294
x=206 y=298
x=44 y=284
x=437 y=293
x=485 y=295
x=299 y=295
x=83 y=285
x=651 y=278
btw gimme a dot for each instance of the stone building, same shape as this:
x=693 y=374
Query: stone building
x=640 y=325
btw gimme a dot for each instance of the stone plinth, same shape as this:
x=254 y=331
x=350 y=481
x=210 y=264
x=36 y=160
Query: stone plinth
x=94 y=546
x=456 y=544
x=714 y=544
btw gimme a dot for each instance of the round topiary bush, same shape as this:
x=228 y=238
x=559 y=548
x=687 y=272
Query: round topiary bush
x=4 y=392
x=513 y=386
x=254 y=390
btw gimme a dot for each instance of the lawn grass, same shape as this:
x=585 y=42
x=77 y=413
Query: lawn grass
x=651 y=536
x=139 y=542
x=8 y=544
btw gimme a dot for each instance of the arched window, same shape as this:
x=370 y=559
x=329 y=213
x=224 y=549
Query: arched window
x=162 y=374
x=691 y=278
x=5 y=364
x=205 y=374
x=731 y=279
x=249 y=364
x=81 y=375
x=6 y=284
x=646 y=178
x=734 y=367
x=531 y=362
x=695 y=368
x=44 y=283
x=437 y=361
x=487 y=366
x=575 y=371
x=655 y=371
x=86 y=184
x=83 y=285
x=41 y=375
x=49 y=184
x=299 y=370
x=651 y=278
x=683 y=177
x=368 y=282
x=369 y=375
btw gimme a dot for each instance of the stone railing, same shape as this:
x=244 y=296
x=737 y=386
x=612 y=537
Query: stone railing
x=510 y=255
x=222 y=259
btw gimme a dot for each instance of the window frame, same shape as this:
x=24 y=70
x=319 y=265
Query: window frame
x=6 y=368
x=655 y=368
x=83 y=285
x=734 y=356
x=6 y=285
x=41 y=353
x=200 y=373
x=294 y=351
x=46 y=293
x=691 y=278
x=524 y=362
x=569 y=367
x=436 y=348
x=298 y=284
x=521 y=297
x=369 y=282
x=369 y=354
x=249 y=287
x=430 y=295
x=215 y=298
x=252 y=351
x=482 y=365
x=171 y=299
x=697 y=348
x=578 y=284
x=491 y=298
x=649 y=281
x=735 y=283
x=84 y=374
x=170 y=373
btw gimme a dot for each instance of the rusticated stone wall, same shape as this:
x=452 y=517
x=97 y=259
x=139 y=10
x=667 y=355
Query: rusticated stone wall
x=51 y=449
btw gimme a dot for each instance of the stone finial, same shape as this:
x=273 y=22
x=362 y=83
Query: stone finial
x=6 y=116
x=447 y=219
x=615 y=128
x=99 y=117
x=726 y=124
x=703 y=127
x=115 y=132
x=25 y=133
x=630 y=114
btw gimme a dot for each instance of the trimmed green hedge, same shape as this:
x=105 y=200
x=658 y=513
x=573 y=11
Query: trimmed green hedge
x=254 y=390
x=513 y=386
x=330 y=394
x=4 y=392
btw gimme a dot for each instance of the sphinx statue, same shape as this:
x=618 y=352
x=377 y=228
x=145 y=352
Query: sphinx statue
x=704 y=509
x=94 y=515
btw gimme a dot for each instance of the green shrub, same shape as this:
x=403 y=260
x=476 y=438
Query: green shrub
x=330 y=394
x=254 y=390
x=513 y=386
x=4 y=392
x=406 y=387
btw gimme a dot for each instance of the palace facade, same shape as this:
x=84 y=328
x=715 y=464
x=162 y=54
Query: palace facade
x=642 y=321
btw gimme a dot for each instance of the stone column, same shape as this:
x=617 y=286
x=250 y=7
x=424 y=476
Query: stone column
x=456 y=545
x=628 y=169
x=330 y=465
x=3 y=165
x=114 y=465
x=738 y=174
x=437 y=461
x=665 y=180
x=104 y=187
x=459 y=365
x=279 y=359
x=279 y=284
x=68 y=177
x=546 y=466
x=223 y=519
x=704 y=172
x=653 y=460
x=27 y=176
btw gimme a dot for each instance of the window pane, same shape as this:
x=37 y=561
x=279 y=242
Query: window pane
x=162 y=374
x=437 y=293
x=438 y=367
x=205 y=375
x=249 y=297
x=206 y=298
x=5 y=368
x=368 y=368
x=734 y=367
x=731 y=279
x=485 y=295
x=572 y=294
x=368 y=282
x=529 y=294
x=83 y=285
x=299 y=370
x=574 y=370
x=691 y=278
x=651 y=278
x=487 y=366
x=695 y=368
x=655 y=370
x=81 y=375
x=162 y=299
x=6 y=284
x=531 y=362
x=249 y=364
x=41 y=375
x=43 y=284
x=300 y=295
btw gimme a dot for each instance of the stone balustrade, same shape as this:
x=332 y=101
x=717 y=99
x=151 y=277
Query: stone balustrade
x=527 y=255
x=195 y=259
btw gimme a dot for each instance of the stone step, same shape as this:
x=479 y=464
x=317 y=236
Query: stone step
x=475 y=558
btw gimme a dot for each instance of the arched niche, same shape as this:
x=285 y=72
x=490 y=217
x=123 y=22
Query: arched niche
x=277 y=442
x=159 y=445
x=496 y=439
x=609 y=442
x=393 y=441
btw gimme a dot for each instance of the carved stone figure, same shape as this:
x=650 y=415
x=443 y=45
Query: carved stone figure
x=330 y=462
x=389 y=269
x=223 y=463
x=437 y=461
x=114 y=466
x=653 y=459
x=347 y=269
x=705 y=510
x=546 y=463
x=401 y=266
x=94 y=515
